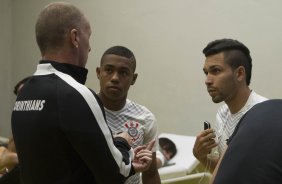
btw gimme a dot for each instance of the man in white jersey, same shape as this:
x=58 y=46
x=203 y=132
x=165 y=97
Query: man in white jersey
x=116 y=74
x=228 y=69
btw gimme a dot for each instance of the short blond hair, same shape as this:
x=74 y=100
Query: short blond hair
x=54 y=22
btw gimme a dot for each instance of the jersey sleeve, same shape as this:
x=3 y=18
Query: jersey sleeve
x=151 y=132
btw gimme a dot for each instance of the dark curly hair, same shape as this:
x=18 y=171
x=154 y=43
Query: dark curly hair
x=167 y=145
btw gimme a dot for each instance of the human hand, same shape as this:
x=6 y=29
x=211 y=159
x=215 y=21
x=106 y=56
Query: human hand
x=126 y=136
x=143 y=157
x=204 y=143
x=8 y=159
x=2 y=153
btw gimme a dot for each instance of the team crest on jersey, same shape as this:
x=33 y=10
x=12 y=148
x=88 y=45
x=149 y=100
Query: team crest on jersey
x=133 y=128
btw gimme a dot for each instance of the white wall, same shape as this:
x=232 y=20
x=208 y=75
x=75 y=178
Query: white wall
x=167 y=38
x=5 y=66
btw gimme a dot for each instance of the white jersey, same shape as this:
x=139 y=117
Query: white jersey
x=226 y=122
x=138 y=122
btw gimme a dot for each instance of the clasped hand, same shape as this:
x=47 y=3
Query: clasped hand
x=142 y=154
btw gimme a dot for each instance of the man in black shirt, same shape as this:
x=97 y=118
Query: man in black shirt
x=254 y=150
x=58 y=124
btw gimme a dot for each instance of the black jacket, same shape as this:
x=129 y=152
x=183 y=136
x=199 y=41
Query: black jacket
x=60 y=131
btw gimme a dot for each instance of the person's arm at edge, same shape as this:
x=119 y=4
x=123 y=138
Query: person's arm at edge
x=210 y=163
x=217 y=166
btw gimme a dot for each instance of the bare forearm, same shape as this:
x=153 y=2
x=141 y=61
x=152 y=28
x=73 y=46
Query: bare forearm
x=151 y=176
x=210 y=163
x=217 y=166
x=151 y=179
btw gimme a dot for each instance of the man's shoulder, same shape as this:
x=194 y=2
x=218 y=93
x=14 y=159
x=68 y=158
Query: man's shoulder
x=138 y=110
x=133 y=105
x=257 y=98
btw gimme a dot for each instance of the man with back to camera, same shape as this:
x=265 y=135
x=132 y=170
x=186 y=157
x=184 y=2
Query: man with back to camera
x=116 y=74
x=254 y=150
x=57 y=122
x=228 y=69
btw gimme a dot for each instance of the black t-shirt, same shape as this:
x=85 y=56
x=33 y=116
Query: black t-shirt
x=254 y=154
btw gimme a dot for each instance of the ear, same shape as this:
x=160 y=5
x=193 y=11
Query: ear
x=241 y=73
x=98 y=72
x=74 y=37
x=134 y=78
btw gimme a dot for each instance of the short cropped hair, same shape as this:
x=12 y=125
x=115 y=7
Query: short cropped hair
x=121 y=51
x=53 y=24
x=167 y=145
x=235 y=54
